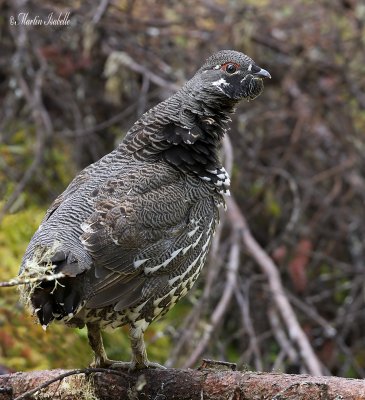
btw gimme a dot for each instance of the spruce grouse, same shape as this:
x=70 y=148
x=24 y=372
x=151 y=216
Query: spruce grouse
x=130 y=235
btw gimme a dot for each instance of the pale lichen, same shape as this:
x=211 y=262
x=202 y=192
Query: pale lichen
x=38 y=269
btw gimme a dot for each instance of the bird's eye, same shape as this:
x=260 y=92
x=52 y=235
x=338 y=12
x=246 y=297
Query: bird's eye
x=231 y=68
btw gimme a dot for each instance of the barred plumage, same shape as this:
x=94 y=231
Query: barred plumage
x=130 y=235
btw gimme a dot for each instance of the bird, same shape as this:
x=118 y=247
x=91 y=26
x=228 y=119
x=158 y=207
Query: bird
x=129 y=236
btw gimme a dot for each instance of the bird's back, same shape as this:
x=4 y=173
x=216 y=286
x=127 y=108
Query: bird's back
x=63 y=219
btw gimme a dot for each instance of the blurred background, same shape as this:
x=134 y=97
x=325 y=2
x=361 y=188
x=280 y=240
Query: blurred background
x=69 y=94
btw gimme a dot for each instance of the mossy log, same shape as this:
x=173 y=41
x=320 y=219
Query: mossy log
x=211 y=381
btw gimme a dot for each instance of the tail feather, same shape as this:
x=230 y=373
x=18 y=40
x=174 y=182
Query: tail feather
x=43 y=305
x=59 y=302
x=58 y=295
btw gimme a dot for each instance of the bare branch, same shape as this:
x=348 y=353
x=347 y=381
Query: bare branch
x=222 y=306
x=215 y=381
x=101 y=10
x=267 y=265
x=248 y=324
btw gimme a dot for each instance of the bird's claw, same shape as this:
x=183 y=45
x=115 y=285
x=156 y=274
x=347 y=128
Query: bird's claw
x=129 y=366
x=134 y=366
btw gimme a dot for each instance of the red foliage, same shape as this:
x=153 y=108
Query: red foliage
x=299 y=263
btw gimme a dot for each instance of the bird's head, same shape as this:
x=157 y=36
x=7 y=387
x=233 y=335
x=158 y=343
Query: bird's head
x=230 y=75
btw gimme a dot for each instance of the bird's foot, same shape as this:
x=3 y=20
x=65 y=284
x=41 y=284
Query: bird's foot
x=153 y=365
x=105 y=363
x=135 y=366
x=129 y=366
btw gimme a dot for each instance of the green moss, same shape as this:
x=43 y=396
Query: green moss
x=15 y=232
x=272 y=204
x=23 y=344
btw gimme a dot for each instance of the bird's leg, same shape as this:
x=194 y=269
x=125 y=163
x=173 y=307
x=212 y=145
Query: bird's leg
x=96 y=343
x=100 y=358
x=139 y=353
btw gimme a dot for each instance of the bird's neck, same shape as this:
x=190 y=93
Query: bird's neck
x=186 y=132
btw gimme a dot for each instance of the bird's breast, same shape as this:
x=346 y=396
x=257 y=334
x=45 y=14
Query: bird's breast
x=167 y=282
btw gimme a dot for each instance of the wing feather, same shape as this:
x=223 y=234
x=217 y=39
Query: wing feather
x=142 y=235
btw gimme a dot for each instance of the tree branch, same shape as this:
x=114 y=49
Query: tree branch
x=220 y=309
x=267 y=265
x=214 y=381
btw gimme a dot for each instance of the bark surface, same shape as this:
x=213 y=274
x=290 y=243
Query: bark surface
x=210 y=382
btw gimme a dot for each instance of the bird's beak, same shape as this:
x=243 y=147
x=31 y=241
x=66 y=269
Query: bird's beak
x=262 y=73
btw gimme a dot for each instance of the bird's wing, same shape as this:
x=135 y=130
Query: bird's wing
x=142 y=228
x=75 y=185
